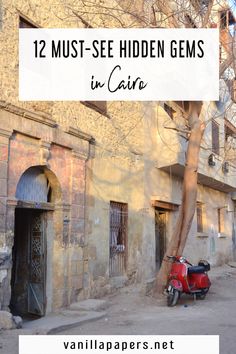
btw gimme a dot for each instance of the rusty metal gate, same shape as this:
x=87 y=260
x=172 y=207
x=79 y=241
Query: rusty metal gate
x=29 y=263
x=37 y=265
x=118 y=238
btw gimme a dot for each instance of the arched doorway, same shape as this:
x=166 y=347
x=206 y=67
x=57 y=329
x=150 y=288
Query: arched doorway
x=36 y=193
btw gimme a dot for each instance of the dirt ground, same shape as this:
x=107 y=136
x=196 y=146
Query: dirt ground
x=132 y=313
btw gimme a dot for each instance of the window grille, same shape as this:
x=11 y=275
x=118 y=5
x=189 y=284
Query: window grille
x=118 y=238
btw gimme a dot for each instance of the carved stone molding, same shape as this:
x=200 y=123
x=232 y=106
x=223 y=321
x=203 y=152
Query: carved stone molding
x=44 y=152
x=5 y=133
x=12 y=202
x=64 y=207
x=79 y=134
x=42 y=118
x=81 y=155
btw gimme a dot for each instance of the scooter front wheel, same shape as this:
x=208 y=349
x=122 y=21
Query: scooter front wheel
x=173 y=297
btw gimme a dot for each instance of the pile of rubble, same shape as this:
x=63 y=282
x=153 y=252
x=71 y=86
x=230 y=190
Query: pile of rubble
x=8 y=321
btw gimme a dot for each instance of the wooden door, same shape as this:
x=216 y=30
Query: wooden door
x=160 y=236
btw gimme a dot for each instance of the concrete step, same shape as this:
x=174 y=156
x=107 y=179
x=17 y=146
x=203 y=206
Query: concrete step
x=232 y=264
x=118 y=281
x=89 y=305
x=57 y=322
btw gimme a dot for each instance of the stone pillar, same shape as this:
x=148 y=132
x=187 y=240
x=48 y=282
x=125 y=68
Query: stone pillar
x=60 y=257
x=66 y=225
x=9 y=237
x=5 y=250
x=78 y=199
x=4 y=148
x=76 y=266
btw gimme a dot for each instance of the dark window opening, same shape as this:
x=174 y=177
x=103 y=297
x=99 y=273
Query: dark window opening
x=230 y=130
x=223 y=20
x=190 y=22
x=169 y=110
x=229 y=133
x=215 y=138
x=231 y=19
x=230 y=141
x=98 y=106
x=227 y=19
x=23 y=23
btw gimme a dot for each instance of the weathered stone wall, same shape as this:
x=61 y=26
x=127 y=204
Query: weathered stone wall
x=123 y=165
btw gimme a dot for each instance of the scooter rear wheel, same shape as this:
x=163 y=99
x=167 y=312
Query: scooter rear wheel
x=173 y=297
x=202 y=295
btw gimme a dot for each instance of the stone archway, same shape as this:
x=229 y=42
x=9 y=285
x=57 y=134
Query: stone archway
x=37 y=193
x=40 y=185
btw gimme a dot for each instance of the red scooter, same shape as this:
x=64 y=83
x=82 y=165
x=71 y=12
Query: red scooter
x=186 y=278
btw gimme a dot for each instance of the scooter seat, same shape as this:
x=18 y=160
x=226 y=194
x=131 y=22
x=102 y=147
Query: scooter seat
x=196 y=269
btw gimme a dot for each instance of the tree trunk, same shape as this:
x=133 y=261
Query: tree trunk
x=189 y=196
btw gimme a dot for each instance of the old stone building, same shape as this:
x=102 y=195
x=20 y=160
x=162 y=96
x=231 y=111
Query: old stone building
x=89 y=192
x=42 y=204
x=51 y=254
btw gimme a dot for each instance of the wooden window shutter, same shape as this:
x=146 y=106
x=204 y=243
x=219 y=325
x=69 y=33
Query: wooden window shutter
x=221 y=219
x=215 y=138
x=199 y=217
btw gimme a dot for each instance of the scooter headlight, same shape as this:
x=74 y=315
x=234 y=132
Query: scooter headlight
x=182 y=259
